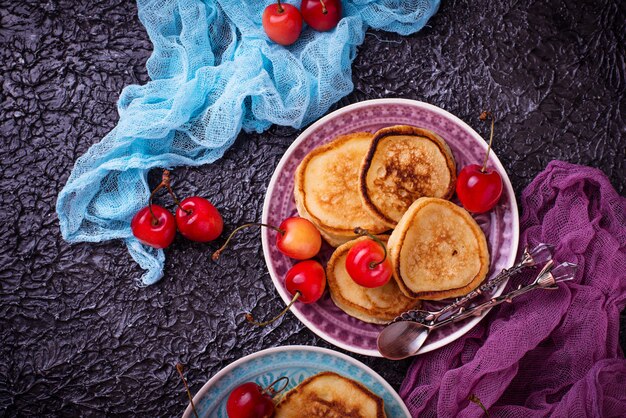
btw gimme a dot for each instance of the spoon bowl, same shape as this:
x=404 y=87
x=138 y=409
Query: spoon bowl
x=402 y=339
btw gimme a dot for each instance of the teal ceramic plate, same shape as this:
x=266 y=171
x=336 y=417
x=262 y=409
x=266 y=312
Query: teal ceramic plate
x=297 y=363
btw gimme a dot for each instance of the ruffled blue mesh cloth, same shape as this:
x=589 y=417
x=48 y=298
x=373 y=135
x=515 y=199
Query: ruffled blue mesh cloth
x=214 y=72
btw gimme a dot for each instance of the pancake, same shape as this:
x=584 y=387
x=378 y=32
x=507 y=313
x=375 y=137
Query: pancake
x=403 y=164
x=377 y=305
x=326 y=189
x=330 y=395
x=438 y=251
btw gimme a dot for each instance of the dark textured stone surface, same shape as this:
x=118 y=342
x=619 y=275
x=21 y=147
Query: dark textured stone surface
x=78 y=338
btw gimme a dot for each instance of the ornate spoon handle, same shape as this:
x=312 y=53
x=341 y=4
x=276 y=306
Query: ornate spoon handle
x=540 y=254
x=479 y=309
x=546 y=279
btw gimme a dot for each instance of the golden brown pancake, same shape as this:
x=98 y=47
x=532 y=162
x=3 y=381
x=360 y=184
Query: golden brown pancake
x=438 y=251
x=330 y=395
x=326 y=189
x=377 y=305
x=403 y=164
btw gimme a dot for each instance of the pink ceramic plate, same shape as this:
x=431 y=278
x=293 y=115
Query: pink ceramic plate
x=501 y=225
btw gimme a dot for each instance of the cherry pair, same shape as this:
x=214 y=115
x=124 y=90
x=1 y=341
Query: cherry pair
x=297 y=238
x=196 y=219
x=283 y=22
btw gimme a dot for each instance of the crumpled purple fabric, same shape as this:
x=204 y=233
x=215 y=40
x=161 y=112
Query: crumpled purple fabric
x=549 y=353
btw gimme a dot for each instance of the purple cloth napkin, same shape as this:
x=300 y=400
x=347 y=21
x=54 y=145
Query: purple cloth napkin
x=549 y=353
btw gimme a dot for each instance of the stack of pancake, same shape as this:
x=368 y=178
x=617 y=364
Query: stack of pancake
x=398 y=179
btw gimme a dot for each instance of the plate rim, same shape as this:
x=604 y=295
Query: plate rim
x=300 y=138
x=322 y=350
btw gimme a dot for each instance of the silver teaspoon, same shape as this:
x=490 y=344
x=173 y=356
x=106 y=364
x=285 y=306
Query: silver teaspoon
x=403 y=339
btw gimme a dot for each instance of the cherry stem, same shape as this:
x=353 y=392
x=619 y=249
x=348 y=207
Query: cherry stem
x=179 y=367
x=269 y=390
x=364 y=232
x=280 y=7
x=477 y=401
x=324 y=9
x=483 y=116
x=219 y=251
x=165 y=182
x=251 y=320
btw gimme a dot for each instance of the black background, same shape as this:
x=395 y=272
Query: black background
x=77 y=337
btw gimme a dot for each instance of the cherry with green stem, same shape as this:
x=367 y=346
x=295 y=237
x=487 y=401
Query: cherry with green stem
x=282 y=23
x=321 y=15
x=154 y=225
x=250 y=400
x=306 y=281
x=478 y=187
x=367 y=262
x=198 y=220
x=296 y=237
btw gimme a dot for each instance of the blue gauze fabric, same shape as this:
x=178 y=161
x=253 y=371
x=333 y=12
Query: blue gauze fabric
x=214 y=72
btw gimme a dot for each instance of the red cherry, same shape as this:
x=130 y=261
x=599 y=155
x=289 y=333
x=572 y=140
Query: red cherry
x=321 y=15
x=297 y=238
x=156 y=230
x=478 y=190
x=307 y=278
x=306 y=281
x=198 y=220
x=249 y=401
x=282 y=23
x=364 y=265
x=300 y=239
x=477 y=187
